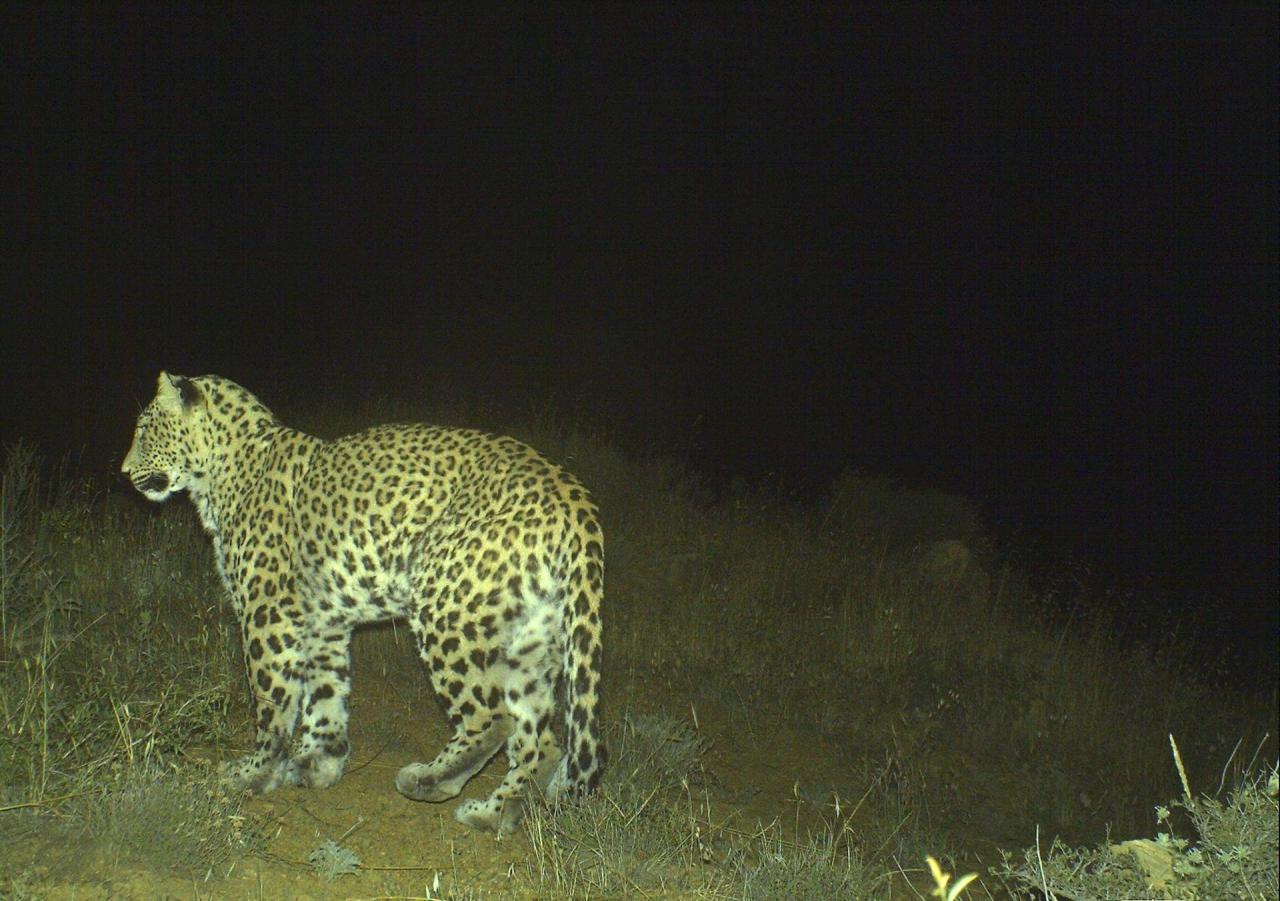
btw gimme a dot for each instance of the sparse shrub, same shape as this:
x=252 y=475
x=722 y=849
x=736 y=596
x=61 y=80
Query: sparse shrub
x=185 y=823
x=332 y=860
x=114 y=660
x=637 y=833
x=616 y=846
x=880 y=510
x=1231 y=853
x=648 y=832
x=827 y=866
x=656 y=752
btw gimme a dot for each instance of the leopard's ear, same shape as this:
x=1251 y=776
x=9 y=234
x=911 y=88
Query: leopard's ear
x=178 y=389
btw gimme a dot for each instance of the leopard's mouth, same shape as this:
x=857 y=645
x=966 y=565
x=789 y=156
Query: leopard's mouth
x=157 y=483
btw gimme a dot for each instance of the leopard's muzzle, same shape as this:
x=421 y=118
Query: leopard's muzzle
x=155 y=482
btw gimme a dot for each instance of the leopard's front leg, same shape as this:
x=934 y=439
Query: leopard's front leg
x=276 y=673
x=323 y=747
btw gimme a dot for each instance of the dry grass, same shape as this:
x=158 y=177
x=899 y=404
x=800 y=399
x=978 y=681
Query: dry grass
x=109 y=672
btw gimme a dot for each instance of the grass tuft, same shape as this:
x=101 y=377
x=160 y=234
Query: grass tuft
x=184 y=823
x=826 y=866
x=636 y=835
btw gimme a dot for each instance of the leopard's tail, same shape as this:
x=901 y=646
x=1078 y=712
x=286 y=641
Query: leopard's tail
x=585 y=755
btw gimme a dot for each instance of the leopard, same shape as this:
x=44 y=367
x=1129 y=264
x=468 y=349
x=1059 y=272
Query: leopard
x=493 y=554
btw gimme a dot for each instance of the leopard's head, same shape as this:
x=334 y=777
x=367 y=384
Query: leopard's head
x=169 y=451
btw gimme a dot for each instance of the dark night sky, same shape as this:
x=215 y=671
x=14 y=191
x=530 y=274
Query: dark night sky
x=1030 y=255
